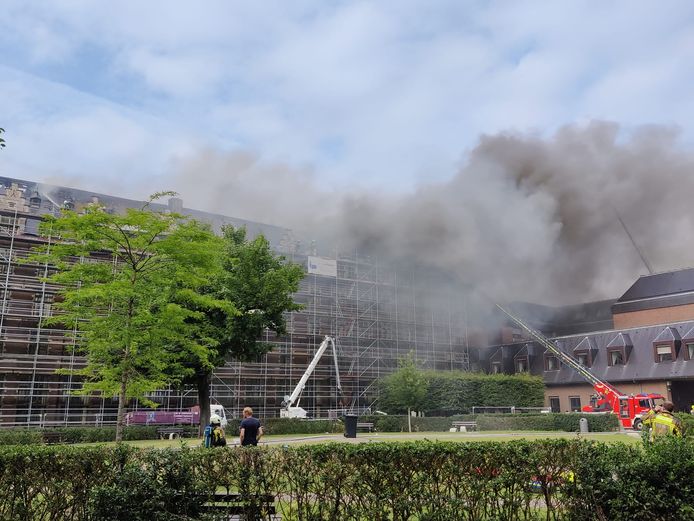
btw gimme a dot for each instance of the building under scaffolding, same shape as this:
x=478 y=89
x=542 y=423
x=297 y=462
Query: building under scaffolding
x=376 y=313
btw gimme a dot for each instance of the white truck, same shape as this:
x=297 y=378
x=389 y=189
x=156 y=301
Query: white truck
x=290 y=404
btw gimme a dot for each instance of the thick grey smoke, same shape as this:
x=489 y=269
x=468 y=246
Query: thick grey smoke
x=525 y=217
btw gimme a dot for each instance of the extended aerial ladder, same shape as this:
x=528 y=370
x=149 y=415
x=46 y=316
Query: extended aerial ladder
x=630 y=408
x=290 y=404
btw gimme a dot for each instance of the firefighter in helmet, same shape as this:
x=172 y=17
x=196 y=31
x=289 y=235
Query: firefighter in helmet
x=664 y=423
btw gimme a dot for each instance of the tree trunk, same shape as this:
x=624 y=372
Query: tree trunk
x=203 y=382
x=120 y=419
x=409 y=420
x=122 y=394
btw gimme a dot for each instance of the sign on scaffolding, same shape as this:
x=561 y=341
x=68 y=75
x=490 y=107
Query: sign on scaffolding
x=322 y=266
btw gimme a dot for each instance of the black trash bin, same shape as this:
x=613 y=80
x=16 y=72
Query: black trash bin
x=350 y=425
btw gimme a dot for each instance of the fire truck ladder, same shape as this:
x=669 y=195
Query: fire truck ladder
x=551 y=346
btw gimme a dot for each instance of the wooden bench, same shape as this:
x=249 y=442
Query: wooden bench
x=238 y=506
x=170 y=433
x=51 y=438
x=365 y=425
x=469 y=425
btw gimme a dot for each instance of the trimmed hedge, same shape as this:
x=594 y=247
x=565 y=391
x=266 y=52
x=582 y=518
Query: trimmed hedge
x=568 y=422
x=398 y=423
x=23 y=436
x=289 y=426
x=687 y=423
x=520 y=480
x=460 y=391
x=20 y=436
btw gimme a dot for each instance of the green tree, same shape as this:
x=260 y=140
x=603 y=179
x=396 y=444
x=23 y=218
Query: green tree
x=122 y=277
x=261 y=285
x=407 y=387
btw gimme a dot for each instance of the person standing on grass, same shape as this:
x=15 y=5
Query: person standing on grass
x=251 y=430
x=214 y=434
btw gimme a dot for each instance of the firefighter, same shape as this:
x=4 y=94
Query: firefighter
x=647 y=420
x=214 y=434
x=664 y=423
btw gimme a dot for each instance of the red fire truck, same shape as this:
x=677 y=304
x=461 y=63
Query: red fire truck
x=630 y=408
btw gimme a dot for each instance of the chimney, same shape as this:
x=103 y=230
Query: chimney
x=175 y=205
x=35 y=200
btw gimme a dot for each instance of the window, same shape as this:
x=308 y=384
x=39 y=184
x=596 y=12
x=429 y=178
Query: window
x=663 y=353
x=690 y=351
x=496 y=367
x=615 y=357
x=575 y=403
x=554 y=404
x=551 y=363
x=521 y=365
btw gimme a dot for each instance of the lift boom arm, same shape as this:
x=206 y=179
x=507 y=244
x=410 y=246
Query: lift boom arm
x=289 y=401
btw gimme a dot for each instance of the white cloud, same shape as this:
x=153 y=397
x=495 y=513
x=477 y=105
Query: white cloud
x=381 y=93
x=188 y=74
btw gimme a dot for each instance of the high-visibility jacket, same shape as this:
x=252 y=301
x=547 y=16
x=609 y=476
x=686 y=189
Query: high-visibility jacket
x=649 y=417
x=665 y=423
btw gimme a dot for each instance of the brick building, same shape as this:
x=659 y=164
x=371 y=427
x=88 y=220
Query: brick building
x=647 y=346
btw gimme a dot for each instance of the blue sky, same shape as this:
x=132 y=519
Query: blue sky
x=378 y=94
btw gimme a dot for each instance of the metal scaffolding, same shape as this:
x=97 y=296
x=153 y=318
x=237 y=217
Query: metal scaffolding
x=377 y=314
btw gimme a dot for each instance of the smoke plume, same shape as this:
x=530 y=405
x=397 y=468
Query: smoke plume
x=525 y=217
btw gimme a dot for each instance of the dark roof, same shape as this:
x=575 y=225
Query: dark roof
x=660 y=284
x=53 y=198
x=640 y=363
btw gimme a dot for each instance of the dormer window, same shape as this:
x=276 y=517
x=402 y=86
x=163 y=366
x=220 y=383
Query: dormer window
x=616 y=356
x=619 y=349
x=523 y=358
x=666 y=345
x=496 y=362
x=521 y=365
x=663 y=353
x=586 y=352
x=551 y=363
x=688 y=343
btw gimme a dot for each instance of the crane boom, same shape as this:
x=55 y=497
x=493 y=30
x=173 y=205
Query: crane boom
x=289 y=410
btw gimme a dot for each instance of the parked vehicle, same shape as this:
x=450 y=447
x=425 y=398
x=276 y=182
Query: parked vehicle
x=163 y=417
x=629 y=407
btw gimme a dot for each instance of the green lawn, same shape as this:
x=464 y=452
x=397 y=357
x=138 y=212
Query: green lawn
x=300 y=439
